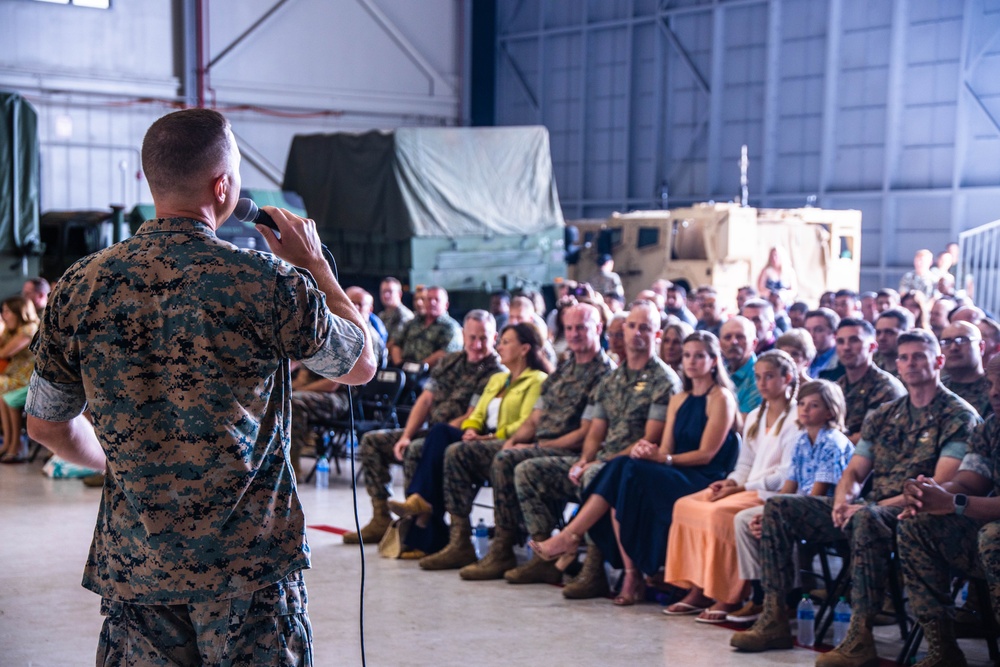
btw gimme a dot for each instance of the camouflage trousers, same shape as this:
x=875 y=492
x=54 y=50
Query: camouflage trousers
x=309 y=408
x=376 y=457
x=267 y=627
x=935 y=548
x=467 y=465
x=791 y=518
x=544 y=487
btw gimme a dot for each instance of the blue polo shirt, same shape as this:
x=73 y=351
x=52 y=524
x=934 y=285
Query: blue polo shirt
x=746 y=386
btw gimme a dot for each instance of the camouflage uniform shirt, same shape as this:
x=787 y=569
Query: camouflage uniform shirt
x=903 y=441
x=180 y=345
x=419 y=342
x=395 y=318
x=457 y=384
x=984 y=452
x=627 y=399
x=879 y=360
x=976 y=393
x=873 y=389
x=566 y=393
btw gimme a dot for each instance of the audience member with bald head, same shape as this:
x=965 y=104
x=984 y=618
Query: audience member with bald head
x=962 y=346
x=738 y=340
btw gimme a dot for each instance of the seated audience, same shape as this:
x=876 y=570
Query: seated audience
x=739 y=337
x=888 y=325
x=701 y=549
x=427 y=338
x=822 y=325
x=922 y=278
x=919 y=307
x=677 y=305
x=761 y=314
x=885 y=299
x=845 y=304
x=394 y=314
x=698 y=447
x=798 y=344
x=865 y=385
x=505 y=403
x=797 y=314
x=616 y=337
x=20 y=322
x=672 y=343
x=962 y=345
x=712 y=313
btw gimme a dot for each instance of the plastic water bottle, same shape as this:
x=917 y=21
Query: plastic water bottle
x=322 y=473
x=481 y=539
x=807 y=622
x=841 y=621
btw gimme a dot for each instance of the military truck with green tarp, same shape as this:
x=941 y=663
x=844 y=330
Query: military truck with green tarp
x=19 y=193
x=469 y=209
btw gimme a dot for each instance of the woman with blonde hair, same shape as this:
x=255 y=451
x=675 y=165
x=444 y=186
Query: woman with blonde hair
x=777 y=274
x=701 y=549
x=20 y=324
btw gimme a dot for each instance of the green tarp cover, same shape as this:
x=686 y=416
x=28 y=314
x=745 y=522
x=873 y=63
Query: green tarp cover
x=427 y=182
x=19 y=198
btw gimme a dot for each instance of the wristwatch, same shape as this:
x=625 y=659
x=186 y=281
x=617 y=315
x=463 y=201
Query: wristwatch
x=961 y=502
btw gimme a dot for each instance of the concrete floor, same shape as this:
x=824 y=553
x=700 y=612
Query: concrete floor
x=412 y=617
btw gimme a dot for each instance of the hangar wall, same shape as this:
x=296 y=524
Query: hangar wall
x=277 y=68
x=888 y=106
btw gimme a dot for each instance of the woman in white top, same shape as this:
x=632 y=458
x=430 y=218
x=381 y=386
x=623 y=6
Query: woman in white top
x=701 y=549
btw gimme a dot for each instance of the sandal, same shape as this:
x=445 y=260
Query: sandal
x=538 y=550
x=711 y=616
x=637 y=594
x=683 y=609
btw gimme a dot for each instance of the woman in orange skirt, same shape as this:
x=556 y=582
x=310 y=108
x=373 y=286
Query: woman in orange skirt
x=701 y=549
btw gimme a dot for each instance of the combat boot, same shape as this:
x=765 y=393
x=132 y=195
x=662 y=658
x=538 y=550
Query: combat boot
x=459 y=551
x=497 y=560
x=536 y=570
x=592 y=582
x=769 y=631
x=942 y=649
x=373 y=532
x=857 y=649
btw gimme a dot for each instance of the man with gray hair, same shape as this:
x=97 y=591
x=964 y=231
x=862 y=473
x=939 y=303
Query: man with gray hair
x=448 y=397
x=738 y=340
x=761 y=313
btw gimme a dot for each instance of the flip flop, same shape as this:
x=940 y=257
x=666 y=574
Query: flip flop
x=683 y=609
x=711 y=616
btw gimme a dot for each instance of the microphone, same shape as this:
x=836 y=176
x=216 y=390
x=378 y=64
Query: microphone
x=246 y=211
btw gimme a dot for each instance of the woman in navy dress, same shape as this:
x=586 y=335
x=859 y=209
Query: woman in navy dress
x=698 y=447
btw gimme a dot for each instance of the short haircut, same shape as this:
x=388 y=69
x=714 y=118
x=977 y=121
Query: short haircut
x=868 y=295
x=480 y=315
x=653 y=309
x=865 y=325
x=889 y=293
x=903 y=317
x=393 y=281
x=994 y=328
x=832 y=318
x=799 y=307
x=833 y=398
x=846 y=292
x=800 y=340
x=522 y=302
x=502 y=293
x=921 y=336
x=183 y=148
x=679 y=289
x=41 y=285
x=762 y=304
x=749 y=289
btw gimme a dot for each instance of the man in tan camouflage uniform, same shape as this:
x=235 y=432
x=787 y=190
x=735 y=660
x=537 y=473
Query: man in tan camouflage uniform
x=865 y=385
x=962 y=345
x=554 y=427
x=448 y=397
x=180 y=343
x=953 y=527
x=924 y=433
x=630 y=404
x=888 y=325
x=425 y=340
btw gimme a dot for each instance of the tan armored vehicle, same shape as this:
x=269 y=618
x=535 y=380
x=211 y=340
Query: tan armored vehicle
x=725 y=246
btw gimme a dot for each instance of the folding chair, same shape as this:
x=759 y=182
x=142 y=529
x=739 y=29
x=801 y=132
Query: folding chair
x=374 y=409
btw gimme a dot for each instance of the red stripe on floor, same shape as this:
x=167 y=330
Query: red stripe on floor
x=330 y=529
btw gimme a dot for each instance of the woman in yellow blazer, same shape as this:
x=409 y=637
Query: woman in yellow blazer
x=507 y=400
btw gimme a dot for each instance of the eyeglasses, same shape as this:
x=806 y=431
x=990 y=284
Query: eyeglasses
x=957 y=340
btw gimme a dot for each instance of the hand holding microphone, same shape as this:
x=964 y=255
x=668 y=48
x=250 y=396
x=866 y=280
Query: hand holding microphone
x=296 y=241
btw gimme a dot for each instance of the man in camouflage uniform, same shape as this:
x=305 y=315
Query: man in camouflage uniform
x=180 y=343
x=865 y=385
x=953 y=527
x=554 y=427
x=888 y=325
x=962 y=345
x=924 y=433
x=394 y=314
x=321 y=400
x=427 y=339
x=448 y=397
x=629 y=405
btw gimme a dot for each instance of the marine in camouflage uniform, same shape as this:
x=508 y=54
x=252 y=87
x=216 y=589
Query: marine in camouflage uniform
x=180 y=345
x=938 y=542
x=419 y=340
x=560 y=409
x=875 y=388
x=884 y=364
x=623 y=402
x=899 y=441
x=455 y=384
x=975 y=393
x=395 y=319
